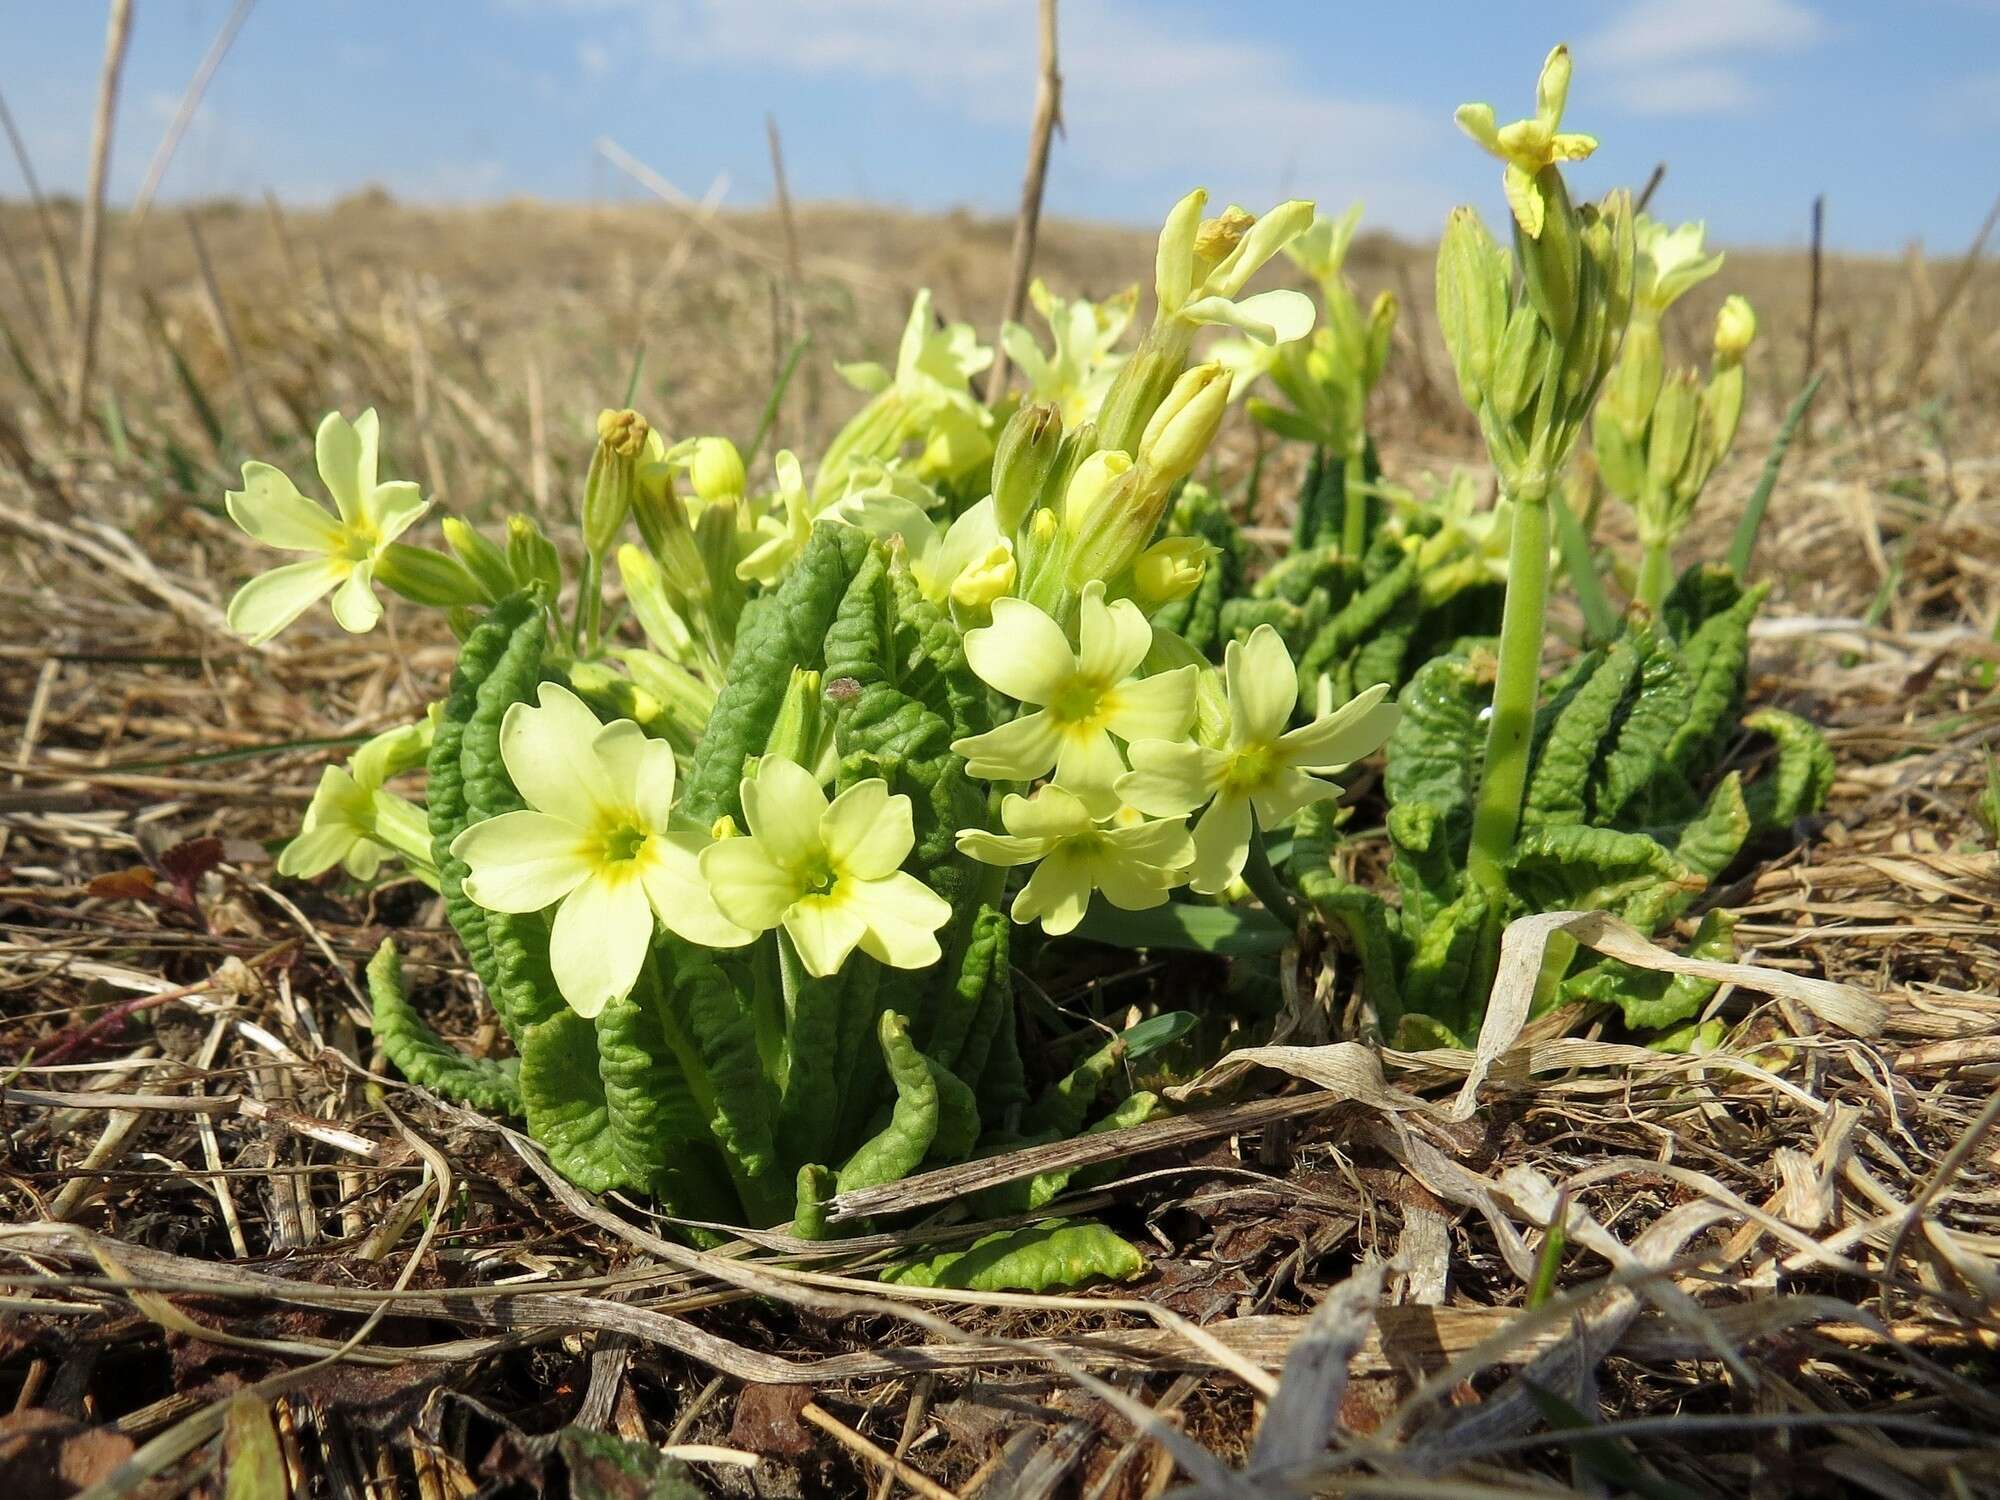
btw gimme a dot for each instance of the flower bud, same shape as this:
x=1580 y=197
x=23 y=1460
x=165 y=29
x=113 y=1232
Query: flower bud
x=796 y=731
x=1552 y=261
x=1029 y=448
x=1670 y=440
x=647 y=593
x=1183 y=427
x=669 y=536
x=985 y=579
x=1472 y=276
x=685 y=699
x=1170 y=569
x=1089 y=489
x=1722 y=402
x=716 y=469
x=1735 y=327
x=1635 y=380
x=1215 y=238
x=532 y=557
x=426 y=577
x=1381 y=326
x=1136 y=392
x=484 y=560
x=613 y=480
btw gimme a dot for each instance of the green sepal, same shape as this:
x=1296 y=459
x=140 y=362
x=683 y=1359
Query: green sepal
x=1037 y=1258
x=421 y=1056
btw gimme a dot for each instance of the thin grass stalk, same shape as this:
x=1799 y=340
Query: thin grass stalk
x=1048 y=120
x=163 y=154
x=51 y=241
x=118 y=35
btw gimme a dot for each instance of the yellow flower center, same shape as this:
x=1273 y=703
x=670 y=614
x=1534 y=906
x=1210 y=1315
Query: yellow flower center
x=1251 y=768
x=1083 y=703
x=357 y=543
x=622 y=844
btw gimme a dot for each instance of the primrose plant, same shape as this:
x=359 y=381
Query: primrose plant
x=739 y=870
x=1599 y=788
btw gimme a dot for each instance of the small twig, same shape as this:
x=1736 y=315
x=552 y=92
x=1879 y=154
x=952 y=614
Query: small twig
x=118 y=33
x=854 y=1442
x=163 y=154
x=1933 y=322
x=1048 y=120
x=1652 y=186
x=1812 y=305
x=51 y=243
x=1947 y=1169
x=219 y=316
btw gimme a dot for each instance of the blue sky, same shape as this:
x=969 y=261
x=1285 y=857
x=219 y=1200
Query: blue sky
x=1891 y=107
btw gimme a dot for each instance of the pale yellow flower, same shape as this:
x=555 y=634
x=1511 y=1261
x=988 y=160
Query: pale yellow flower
x=1132 y=861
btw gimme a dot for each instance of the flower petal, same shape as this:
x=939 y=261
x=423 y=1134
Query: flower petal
x=639 y=771
x=1052 y=813
x=1057 y=894
x=317 y=850
x=1171 y=778
x=550 y=752
x=1163 y=844
x=1018 y=751
x=270 y=508
x=670 y=869
x=271 y=601
x=824 y=930
x=1023 y=652
x=902 y=916
x=394 y=507
x=750 y=888
x=338 y=448
x=355 y=607
x=1160 y=707
x=1221 y=844
x=1000 y=848
x=598 y=942
x=1288 y=790
x=1263 y=687
x=1113 y=638
x=867 y=832
x=1130 y=885
x=1088 y=766
x=1359 y=727
x=523 y=861
x=783 y=805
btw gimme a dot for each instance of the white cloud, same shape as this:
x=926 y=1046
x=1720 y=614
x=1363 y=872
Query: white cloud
x=594 y=58
x=1145 y=95
x=1700 y=89
x=1682 y=57
x=1666 y=31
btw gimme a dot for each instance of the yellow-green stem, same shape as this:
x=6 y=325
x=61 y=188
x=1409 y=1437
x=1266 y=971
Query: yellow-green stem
x=1504 y=774
x=1354 y=513
x=1263 y=880
x=1656 y=574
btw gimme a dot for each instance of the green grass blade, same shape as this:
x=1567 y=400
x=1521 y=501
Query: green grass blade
x=1181 y=924
x=1600 y=617
x=1752 y=519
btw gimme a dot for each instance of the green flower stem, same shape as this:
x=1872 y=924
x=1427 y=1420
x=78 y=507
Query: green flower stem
x=1354 y=512
x=1263 y=880
x=1656 y=574
x=1504 y=775
x=589 y=616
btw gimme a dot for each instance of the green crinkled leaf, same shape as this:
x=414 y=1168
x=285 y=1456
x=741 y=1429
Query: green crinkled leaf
x=1296 y=624
x=1304 y=572
x=900 y=1147
x=957 y=1116
x=1578 y=730
x=1704 y=591
x=947 y=1026
x=1061 y=1110
x=1381 y=657
x=1361 y=617
x=1434 y=753
x=1803 y=776
x=563 y=1098
x=778 y=631
x=1717 y=659
x=1363 y=920
x=1570 y=868
x=809 y=1112
x=712 y=1029
x=815 y=1186
x=1449 y=972
x=1648 y=998
x=652 y=1117
x=1038 y=1258
x=523 y=990
x=1708 y=843
x=423 y=1058
x=1655 y=709
x=444 y=794
x=1197 y=618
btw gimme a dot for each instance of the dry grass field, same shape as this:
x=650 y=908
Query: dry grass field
x=230 y=1237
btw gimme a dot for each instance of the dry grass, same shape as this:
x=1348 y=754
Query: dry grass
x=1778 y=1273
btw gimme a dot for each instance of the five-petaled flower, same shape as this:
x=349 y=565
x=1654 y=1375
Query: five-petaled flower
x=595 y=836
x=1081 y=698
x=830 y=874
x=1132 y=861
x=1527 y=146
x=354 y=821
x=349 y=544
x=1264 y=766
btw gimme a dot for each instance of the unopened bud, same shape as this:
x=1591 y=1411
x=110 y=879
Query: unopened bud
x=624 y=432
x=1030 y=446
x=1136 y=392
x=1216 y=237
x=532 y=557
x=613 y=481
x=1472 y=276
x=426 y=577
x=795 y=733
x=1185 y=424
x=1552 y=261
x=646 y=591
x=1670 y=439
x=1170 y=569
x=716 y=469
x=1095 y=479
x=985 y=579
x=1735 y=327
x=484 y=560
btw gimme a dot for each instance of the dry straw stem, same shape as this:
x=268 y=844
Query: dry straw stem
x=118 y=33
x=1028 y=218
x=1781 y=1260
